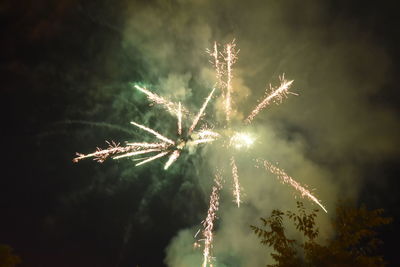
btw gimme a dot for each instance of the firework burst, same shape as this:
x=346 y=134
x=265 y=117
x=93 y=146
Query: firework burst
x=165 y=146
x=223 y=61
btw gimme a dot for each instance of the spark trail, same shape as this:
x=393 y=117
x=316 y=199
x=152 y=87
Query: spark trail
x=174 y=156
x=167 y=146
x=230 y=59
x=277 y=94
x=197 y=118
x=208 y=133
x=146 y=145
x=235 y=176
x=114 y=148
x=208 y=223
x=156 y=134
x=135 y=153
x=159 y=155
x=284 y=178
x=179 y=119
x=201 y=141
x=216 y=64
x=170 y=106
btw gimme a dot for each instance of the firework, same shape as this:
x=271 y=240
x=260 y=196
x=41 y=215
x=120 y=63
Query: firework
x=201 y=112
x=230 y=59
x=201 y=141
x=172 y=158
x=179 y=119
x=235 y=176
x=232 y=140
x=209 y=221
x=168 y=105
x=159 y=155
x=114 y=148
x=215 y=61
x=286 y=179
x=223 y=64
x=163 y=148
x=276 y=95
x=156 y=134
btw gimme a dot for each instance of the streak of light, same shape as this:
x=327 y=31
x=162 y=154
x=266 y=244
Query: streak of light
x=174 y=156
x=195 y=235
x=230 y=60
x=156 y=134
x=179 y=119
x=101 y=154
x=170 y=106
x=208 y=133
x=146 y=145
x=276 y=95
x=202 y=141
x=201 y=111
x=217 y=65
x=284 y=178
x=209 y=221
x=235 y=176
x=130 y=154
x=159 y=155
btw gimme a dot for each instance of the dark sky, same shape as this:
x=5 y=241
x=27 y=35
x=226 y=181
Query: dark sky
x=66 y=68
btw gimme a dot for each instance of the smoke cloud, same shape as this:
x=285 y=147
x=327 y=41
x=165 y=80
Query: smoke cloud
x=323 y=137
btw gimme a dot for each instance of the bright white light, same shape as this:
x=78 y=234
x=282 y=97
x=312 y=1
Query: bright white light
x=240 y=140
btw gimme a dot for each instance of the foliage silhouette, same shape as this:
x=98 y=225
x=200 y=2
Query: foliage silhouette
x=354 y=243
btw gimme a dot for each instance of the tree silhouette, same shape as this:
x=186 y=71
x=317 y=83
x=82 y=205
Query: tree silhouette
x=354 y=243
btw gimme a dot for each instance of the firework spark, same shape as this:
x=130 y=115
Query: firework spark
x=276 y=95
x=146 y=145
x=284 y=178
x=167 y=146
x=114 y=148
x=209 y=221
x=135 y=153
x=202 y=141
x=208 y=133
x=215 y=61
x=179 y=119
x=230 y=60
x=159 y=155
x=156 y=134
x=153 y=97
x=174 y=156
x=235 y=176
x=201 y=112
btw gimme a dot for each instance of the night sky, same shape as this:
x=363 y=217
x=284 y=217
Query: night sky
x=66 y=74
